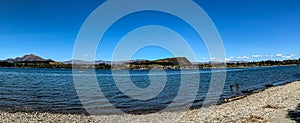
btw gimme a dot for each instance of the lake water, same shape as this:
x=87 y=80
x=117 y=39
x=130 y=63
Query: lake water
x=53 y=90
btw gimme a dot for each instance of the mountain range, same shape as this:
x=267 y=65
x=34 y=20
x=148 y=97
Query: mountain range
x=35 y=58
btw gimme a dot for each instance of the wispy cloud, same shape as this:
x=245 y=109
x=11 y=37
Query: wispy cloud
x=227 y=59
x=256 y=56
x=259 y=56
x=243 y=57
x=220 y=59
x=279 y=55
x=288 y=56
x=285 y=56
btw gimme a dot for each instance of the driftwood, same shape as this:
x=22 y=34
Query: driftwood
x=234 y=98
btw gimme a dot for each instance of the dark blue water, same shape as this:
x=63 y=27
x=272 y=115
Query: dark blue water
x=53 y=90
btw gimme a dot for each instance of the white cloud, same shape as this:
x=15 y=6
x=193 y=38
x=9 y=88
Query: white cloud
x=282 y=56
x=227 y=59
x=242 y=57
x=287 y=57
x=213 y=58
x=220 y=59
x=256 y=56
x=279 y=55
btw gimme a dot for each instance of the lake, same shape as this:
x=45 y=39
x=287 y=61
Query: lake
x=53 y=90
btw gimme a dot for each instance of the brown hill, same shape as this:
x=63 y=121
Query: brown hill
x=27 y=58
x=166 y=61
x=175 y=61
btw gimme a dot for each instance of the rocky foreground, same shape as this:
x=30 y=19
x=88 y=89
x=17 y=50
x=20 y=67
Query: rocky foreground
x=276 y=104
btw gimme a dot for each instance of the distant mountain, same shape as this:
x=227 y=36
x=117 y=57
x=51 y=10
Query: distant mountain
x=102 y=62
x=235 y=62
x=86 y=62
x=166 y=61
x=33 y=61
x=27 y=58
x=77 y=62
x=217 y=62
x=175 y=60
x=98 y=62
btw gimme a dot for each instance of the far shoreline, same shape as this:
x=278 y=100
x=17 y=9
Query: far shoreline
x=33 y=61
x=213 y=68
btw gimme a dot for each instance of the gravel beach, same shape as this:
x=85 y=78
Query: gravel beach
x=275 y=105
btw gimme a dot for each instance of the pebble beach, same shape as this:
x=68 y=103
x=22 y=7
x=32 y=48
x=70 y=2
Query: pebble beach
x=275 y=105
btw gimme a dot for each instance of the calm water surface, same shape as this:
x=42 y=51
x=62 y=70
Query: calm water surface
x=53 y=90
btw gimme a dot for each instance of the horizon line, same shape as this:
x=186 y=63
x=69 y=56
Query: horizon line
x=210 y=59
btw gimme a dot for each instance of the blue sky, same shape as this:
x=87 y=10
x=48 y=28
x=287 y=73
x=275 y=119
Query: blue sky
x=250 y=29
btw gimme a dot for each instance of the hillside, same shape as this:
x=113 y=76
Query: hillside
x=175 y=61
x=166 y=61
x=27 y=58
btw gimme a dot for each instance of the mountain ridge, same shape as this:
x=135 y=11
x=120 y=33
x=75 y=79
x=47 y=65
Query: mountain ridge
x=27 y=58
x=35 y=58
x=33 y=61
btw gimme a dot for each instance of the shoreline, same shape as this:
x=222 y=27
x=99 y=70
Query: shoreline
x=240 y=67
x=254 y=91
x=269 y=105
